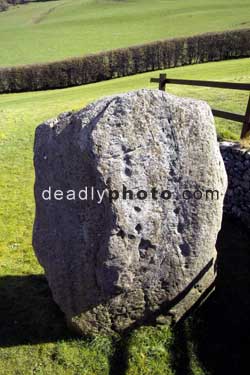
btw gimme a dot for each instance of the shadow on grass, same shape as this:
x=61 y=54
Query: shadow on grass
x=28 y=314
x=217 y=332
x=119 y=361
x=219 y=329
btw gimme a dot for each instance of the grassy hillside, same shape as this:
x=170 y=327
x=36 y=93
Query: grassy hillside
x=33 y=336
x=53 y=30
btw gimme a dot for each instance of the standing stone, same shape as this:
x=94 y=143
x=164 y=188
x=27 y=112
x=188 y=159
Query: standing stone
x=117 y=263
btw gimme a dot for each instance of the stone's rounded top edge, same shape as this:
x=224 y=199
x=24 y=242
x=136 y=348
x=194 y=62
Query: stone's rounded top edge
x=52 y=122
x=154 y=93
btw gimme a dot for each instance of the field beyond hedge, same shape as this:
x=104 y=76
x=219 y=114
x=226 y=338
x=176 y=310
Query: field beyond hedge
x=54 y=30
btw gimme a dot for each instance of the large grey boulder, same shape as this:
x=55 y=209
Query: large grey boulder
x=114 y=264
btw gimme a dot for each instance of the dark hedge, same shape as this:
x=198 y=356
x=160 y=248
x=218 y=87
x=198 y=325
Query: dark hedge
x=4 y=4
x=126 y=61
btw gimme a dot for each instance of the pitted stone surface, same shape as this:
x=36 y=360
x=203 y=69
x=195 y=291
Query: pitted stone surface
x=114 y=264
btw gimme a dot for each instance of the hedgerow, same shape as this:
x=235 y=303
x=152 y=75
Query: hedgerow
x=101 y=66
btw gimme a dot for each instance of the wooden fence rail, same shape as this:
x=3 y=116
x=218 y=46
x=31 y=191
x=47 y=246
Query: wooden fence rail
x=244 y=119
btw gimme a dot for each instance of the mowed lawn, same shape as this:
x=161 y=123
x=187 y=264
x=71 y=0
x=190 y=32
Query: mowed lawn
x=33 y=336
x=53 y=30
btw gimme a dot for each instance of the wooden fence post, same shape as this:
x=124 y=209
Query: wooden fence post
x=162 y=82
x=246 y=124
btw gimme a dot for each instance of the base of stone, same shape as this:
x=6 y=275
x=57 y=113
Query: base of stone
x=97 y=320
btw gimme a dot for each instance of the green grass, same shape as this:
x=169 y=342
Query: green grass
x=33 y=335
x=150 y=352
x=21 y=113
x=53 y=30
x=72 y=357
